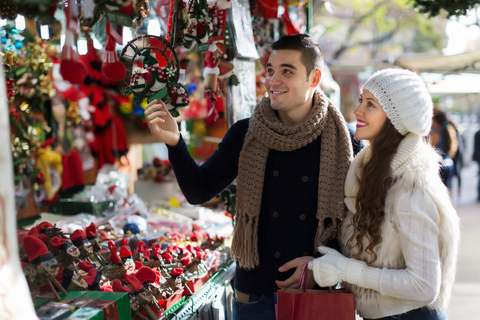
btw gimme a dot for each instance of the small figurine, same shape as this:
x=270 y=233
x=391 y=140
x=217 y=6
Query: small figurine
x=65 y=253
x=79 y=239
x=144 y=296
x=91 y=232
x=43 y=267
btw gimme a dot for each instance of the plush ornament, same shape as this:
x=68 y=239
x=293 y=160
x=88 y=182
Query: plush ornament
x=139 y=79
x=158 y=79
x=112 y=68
x=70 y=68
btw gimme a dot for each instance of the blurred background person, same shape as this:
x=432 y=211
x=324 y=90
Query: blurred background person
x=443 y=137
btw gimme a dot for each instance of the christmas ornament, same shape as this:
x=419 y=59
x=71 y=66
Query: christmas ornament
x=157 y=76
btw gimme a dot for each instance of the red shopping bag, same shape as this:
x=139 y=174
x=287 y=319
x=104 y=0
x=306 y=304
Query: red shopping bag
x=303 y=304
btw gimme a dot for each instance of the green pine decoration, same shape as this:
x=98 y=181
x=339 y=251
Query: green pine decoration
x=452 y=7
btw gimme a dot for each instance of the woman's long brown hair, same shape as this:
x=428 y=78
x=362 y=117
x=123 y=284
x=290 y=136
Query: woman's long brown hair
x=376 y=179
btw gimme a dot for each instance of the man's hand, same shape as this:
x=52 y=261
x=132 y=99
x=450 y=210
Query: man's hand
x=292 y=282
x=161 y=123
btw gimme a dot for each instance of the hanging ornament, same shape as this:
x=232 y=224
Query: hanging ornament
x=157 y=77
x=70 y=68
x=112 y=68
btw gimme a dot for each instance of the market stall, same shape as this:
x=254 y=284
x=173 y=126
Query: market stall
x=103 y=231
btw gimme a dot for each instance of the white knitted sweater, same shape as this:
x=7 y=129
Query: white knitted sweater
x=416 y=260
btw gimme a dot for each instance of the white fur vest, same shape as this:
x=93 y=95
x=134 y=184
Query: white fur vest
x=416 y=260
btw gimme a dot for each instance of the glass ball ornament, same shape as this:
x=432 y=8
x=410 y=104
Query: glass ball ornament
x=18 y=44
x=4 y=40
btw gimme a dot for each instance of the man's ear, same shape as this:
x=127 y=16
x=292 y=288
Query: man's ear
x=317 y=76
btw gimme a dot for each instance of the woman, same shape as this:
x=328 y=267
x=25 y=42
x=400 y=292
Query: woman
x=400 y=236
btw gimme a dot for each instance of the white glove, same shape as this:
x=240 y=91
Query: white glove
x=333 y=267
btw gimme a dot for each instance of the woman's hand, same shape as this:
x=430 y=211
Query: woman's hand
x=161 y=123
x=292 y=282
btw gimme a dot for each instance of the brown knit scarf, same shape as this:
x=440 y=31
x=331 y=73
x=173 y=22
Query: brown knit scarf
x=267 y=132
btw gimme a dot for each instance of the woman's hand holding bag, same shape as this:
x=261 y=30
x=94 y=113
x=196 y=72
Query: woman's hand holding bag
x=333 y=268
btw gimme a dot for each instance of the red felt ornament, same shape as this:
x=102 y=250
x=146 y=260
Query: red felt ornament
x=112 y=68
x=70 y=68
x=177 y=271
x=146 y=274
x=118 y=287
x=36 y=249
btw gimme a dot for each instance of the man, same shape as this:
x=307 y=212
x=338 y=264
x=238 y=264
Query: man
x=290 y=160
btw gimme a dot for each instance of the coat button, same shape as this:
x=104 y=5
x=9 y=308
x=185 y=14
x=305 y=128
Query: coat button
x=276 y=173
x=277 y=255
x=303 y=217
x=305 y=178
x=275 y=214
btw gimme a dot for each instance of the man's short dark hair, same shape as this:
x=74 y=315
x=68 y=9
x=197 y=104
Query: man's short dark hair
x=312 y=55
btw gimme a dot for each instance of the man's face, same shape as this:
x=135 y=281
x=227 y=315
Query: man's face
x=287 y=84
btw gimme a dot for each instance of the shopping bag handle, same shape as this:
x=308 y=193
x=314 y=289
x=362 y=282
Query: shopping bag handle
x=302 y=284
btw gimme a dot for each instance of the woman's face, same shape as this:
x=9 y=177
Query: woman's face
x=370 y=117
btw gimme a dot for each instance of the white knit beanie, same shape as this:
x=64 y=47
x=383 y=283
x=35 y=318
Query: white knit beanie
x=404 y=98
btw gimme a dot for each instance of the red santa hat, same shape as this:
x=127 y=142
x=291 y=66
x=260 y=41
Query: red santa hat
x=58 y=243
x=125 y=253
x=45 y=224
x=118 y=287
x=124 y=242
x=138 y=264
x=78 y=237
x=112 y=68
x=135 y=283
x=34 y=233
x=146 y=274
x=92 y=278
x=36 y=250
x=186 y=260
x=113 y=255
x=85 y=265
x=91 y=231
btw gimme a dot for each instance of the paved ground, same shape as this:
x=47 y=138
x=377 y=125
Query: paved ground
x=465 y=302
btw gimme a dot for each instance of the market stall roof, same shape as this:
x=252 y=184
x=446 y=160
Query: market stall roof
x=463 y=62
x=455 y=84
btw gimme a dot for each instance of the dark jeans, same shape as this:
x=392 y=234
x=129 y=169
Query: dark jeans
x=258 y=307
x=417 y=314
